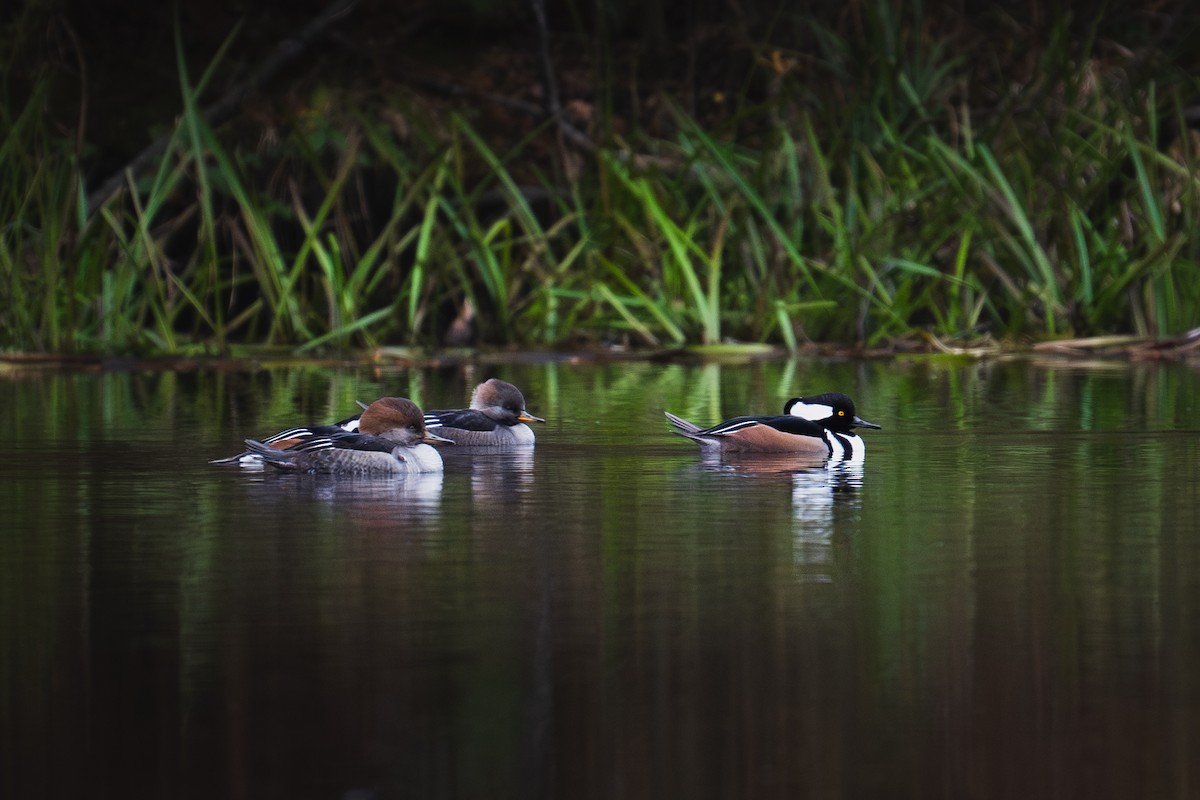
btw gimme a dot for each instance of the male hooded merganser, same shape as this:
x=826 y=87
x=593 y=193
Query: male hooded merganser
x=376 y=420
x=392 y=440
x=496 y=418
x=819 y=425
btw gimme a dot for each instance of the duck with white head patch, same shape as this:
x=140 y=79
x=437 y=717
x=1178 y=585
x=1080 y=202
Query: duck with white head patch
x=818 y=425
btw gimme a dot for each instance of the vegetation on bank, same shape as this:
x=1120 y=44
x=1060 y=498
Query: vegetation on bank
x=867 y=184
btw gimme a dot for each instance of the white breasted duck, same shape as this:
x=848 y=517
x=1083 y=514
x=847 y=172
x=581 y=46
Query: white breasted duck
x=817 y=425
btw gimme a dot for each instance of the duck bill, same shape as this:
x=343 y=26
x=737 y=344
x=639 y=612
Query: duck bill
x=525 y=416
x=862 y=423
x=432 y=438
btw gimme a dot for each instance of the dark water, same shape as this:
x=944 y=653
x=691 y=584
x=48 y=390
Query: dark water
x=1003 y=602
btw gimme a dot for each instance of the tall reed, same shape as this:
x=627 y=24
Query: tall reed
x=890 y=207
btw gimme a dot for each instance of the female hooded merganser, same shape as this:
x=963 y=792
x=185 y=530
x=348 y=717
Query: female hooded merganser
x=496 y=418
x=377 y=419
x=392 y=440
x=817 y=425
x=294 y=436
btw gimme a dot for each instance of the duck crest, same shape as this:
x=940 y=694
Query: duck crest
x=817 y=424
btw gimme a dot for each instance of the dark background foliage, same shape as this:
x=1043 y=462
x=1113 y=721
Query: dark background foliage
x=114 y=61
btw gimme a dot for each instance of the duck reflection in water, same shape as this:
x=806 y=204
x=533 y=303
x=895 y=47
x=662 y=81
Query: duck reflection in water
x=387 y=500
x=500 y=478
x=819 y=498
x=823 y=492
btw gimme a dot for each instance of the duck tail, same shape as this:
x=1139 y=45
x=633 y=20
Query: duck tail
x=270 y=455
x=247 y=459
x=682 y=426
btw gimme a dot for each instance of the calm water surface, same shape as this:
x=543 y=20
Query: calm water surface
x=1003 y=602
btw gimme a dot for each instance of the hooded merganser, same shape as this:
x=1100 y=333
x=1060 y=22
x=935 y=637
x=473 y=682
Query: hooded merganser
x=392 y=440
x=294 y=436
x=496 y=418
x=818 y=425
x=377 y=419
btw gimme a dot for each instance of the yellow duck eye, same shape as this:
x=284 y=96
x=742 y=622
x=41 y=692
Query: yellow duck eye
x=841 y=413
